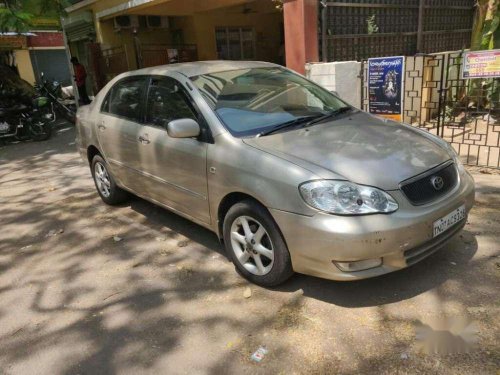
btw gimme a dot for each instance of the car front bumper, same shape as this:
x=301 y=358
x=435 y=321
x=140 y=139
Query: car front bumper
x=399 y=239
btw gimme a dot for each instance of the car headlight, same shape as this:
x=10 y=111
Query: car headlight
x=346 y=198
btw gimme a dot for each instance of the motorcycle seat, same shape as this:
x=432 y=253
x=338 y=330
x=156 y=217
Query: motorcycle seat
x=18 y=108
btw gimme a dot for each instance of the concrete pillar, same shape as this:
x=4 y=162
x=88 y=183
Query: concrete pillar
x=301 y=33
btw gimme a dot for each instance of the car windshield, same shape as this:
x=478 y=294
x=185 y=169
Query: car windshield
x=256 y=100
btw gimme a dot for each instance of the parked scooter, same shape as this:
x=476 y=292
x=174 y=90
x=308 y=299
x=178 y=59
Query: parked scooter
x=65 y=107
x=24 y=121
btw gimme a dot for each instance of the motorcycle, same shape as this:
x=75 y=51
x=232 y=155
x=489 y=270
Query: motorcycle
x=65 y=107
x=23 y=121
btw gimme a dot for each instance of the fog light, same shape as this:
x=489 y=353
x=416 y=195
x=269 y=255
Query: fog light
x=360 y=265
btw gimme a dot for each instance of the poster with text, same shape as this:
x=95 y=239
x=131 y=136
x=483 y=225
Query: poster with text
x=386 y=86
x=481 y=64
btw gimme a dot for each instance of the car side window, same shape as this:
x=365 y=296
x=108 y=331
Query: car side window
x=167 y=101
x=125 y=99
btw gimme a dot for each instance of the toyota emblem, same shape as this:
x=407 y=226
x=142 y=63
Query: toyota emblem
x=437 y=182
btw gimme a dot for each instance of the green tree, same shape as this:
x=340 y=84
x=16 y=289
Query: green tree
x=278 y=4
x=485 y=36
x=18 y=15
x=486 y=30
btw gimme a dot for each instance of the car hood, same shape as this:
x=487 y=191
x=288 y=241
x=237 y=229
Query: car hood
x=358 y=147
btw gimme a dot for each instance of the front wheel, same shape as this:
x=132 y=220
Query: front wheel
x=105 y=184
x=255 y=244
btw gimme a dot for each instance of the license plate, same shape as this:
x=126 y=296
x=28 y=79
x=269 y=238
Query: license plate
x=449 y=220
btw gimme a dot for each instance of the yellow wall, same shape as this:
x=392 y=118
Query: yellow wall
x=109 y=37
x=267 y=27
x=24 y=66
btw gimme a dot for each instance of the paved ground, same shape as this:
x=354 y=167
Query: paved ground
x=165 y=299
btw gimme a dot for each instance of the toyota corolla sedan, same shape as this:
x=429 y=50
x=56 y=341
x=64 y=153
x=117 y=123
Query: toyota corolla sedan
x=290 y=177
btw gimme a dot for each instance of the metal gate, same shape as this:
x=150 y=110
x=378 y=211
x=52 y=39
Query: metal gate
x=359 y=29
x=161 y=54
x=464 y=112
x=53 y=63
x=113 y=61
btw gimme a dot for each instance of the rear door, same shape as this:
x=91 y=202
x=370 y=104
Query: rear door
x=176 y=168
x=119 y=128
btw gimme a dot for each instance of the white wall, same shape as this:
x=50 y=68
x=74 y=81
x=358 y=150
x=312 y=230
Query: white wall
x=342 y=77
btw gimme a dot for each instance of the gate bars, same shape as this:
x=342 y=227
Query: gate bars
x=464 y=112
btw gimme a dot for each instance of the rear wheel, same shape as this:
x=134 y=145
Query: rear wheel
x=255 y=244
x=40 y=130
x=105 y=184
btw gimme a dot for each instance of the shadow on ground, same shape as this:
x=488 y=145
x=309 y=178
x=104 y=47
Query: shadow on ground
x=91 y=289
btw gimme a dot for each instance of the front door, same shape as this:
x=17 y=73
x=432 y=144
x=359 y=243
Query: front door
x=176 y=167
x=119 y=128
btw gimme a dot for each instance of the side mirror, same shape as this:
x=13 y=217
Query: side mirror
x=183 y=128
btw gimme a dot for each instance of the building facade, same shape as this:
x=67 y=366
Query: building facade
x=112 y=36
x=41 y=50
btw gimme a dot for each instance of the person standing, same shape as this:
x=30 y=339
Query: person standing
x=80 y=78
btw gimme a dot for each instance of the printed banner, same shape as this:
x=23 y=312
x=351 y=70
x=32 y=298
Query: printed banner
x=386 y=86
x=481 y=64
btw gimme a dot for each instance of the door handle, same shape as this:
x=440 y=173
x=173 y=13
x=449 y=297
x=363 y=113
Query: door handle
x=101 y=127
x=144 y=140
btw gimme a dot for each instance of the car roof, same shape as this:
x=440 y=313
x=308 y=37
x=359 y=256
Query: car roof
x=191 y=69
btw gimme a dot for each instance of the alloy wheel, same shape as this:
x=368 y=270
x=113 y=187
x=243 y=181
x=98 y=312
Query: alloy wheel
x=102 y=179
x=252 y=245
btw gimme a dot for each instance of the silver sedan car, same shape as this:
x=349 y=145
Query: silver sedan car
x=289 y=176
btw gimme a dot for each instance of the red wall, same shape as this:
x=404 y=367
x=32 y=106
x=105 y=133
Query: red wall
x=301 y=33
x=46 y=39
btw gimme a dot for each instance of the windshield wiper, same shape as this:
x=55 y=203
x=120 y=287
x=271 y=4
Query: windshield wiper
x=309 y=120
x=287 y=124
x=328 y=115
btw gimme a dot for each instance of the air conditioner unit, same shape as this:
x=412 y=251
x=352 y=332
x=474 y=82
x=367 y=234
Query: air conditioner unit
x=157 y=22
x=126 y=22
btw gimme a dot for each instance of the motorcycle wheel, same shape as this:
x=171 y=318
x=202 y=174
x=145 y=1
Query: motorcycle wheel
x=40 y=130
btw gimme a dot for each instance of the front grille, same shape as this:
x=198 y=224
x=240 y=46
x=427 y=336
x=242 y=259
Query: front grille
x=421 y=190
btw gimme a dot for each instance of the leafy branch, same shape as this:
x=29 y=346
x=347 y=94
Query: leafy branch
x=18 y=15
x=278 y=4
x=372 y=25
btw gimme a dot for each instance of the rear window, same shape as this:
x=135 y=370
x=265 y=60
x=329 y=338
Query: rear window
x=125 y=98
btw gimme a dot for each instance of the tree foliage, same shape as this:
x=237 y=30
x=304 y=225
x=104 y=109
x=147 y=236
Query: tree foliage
x=18 y=15
x=486 y=29
x=278 y=4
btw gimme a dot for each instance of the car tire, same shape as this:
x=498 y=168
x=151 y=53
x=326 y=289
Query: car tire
x=245 y=242
x=105 y=184
x=41 y=131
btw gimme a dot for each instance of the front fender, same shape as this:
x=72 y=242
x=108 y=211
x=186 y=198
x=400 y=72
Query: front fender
x=234 y=166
